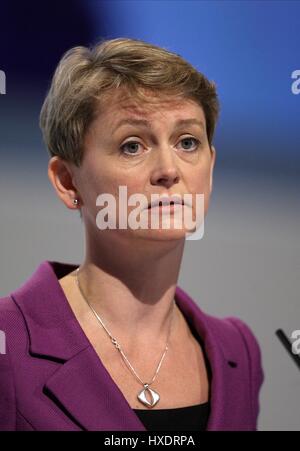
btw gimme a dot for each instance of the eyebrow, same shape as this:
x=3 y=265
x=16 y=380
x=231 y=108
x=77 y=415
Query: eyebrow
x=145 y=123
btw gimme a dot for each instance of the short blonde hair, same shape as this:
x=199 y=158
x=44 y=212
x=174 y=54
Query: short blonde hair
x=86 y=77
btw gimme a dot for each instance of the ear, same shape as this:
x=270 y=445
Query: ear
x=213 y=159
x=61 y=176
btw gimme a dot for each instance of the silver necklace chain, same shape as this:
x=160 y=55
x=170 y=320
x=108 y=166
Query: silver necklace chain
x=141 y=397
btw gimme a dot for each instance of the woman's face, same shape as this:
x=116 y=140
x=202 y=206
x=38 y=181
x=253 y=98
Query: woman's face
x=165 y=157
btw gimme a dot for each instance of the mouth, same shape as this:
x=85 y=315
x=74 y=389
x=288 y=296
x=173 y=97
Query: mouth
x=170 y=202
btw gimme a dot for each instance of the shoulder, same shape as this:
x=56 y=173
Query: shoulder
x=256 y=370
x=240 y=344
x=235 y=336
x=232 y=333
x=12 y=337
x=235 y=330
x=11 y=318
x=237 y=339
x=253 y=350
x=247 y=334
x=13 y=332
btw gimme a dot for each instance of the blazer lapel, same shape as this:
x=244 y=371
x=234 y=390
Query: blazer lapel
x=86 y=390
x=81 y=386
x=223 y=358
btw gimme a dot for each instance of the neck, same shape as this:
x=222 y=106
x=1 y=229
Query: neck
x=132 y=290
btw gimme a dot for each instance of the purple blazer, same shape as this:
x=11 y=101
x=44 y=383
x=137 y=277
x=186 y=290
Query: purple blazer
x=51 y=378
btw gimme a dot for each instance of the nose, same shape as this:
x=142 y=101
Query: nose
x=165 y=170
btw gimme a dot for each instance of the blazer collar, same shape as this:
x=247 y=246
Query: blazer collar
x=82 y=385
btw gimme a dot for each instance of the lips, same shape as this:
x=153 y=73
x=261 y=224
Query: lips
x=166 y=200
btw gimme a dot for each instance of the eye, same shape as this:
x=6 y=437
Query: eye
x=187 y=139
x=132 y=147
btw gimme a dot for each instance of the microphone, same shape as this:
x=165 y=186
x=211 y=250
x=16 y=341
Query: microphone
x=288 y=346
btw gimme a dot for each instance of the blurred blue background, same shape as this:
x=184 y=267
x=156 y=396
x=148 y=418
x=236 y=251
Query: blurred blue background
x=248 y=262
x=249 y=48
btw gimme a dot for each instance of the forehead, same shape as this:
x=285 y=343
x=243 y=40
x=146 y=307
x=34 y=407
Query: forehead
x=154 y=107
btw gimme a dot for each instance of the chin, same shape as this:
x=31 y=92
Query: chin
x=162 y=234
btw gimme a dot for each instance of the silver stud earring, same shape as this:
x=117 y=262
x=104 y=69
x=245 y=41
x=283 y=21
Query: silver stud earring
x=75 y=201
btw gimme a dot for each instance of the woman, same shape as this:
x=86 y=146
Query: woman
x=113 y=343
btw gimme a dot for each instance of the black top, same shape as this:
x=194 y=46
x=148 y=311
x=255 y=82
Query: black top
x=190 y=418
